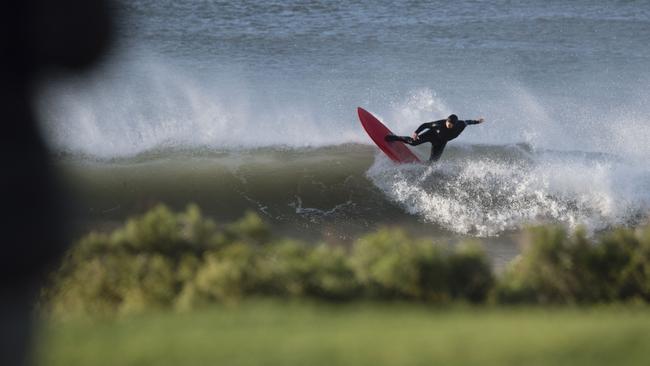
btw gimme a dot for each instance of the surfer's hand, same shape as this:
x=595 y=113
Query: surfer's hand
x=415 y=137
x=480 y=120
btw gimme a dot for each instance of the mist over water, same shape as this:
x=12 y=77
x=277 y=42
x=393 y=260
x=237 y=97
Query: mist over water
x=563 y=87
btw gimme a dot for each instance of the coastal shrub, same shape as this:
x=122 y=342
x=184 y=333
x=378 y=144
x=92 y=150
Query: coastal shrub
x=289 y=268
x=155 y=231
x=389 y=264
x=151 y=284
x=634 y=276
x=146 y=263
x=92 y=245
x=546 y=271
x=187 y=267
x=162 y=231
x=63 y=298
x=332 y=277
x=558 y=268
x=432 y=262
x=386 y=264
x=155 y=279
x=163 y=259
x=95 y=286
x=283 y=270
x=470 y=274
x=198 y=232
x=226 y=275
x=610 y=257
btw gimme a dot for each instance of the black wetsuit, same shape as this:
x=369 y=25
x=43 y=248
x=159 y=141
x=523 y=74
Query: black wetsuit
x=437 y=134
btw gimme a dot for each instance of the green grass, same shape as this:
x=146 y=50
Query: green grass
x=276 y=333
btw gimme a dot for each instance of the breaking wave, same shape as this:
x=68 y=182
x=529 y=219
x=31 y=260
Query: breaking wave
x=486 y=191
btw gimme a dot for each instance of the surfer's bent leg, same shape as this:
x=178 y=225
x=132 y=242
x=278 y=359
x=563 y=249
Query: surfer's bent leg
x=391 y=138
x=436 y=150
x=406 y=139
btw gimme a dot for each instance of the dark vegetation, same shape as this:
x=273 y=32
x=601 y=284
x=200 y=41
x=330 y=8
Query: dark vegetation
x=164 y=260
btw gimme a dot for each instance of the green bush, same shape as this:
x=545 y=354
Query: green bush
x=198 y=232
x=226 y=275
x=147 y=263
x=386 y=264
x=546 y=271
x=470 y=274
x=560 y=269
x=183 y=260
x=634 y=279
x=332 y=277
x=389 y=264
x=432 y=262
x=283 y=270
x=156 y=231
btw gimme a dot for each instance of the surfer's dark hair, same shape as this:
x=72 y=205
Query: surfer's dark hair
x=452 y=118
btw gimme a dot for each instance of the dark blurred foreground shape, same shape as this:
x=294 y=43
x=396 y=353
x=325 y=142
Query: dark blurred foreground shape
x=39 y=37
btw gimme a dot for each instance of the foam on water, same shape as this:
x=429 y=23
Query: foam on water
x=484 y=196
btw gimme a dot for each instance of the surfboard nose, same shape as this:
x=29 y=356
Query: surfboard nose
x=361 y=112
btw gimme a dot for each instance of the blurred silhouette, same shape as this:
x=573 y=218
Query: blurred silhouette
x=39 y=37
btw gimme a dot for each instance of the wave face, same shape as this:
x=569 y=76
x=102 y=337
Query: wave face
x=476 y=190
x=563 y=87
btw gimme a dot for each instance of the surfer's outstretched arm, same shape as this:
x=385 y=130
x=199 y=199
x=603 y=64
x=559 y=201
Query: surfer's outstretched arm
x=474 y=121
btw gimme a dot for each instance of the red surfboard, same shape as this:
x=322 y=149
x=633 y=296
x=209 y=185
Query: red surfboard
x=395 y=150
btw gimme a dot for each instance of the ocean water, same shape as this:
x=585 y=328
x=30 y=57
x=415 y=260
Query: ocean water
x=251 y=105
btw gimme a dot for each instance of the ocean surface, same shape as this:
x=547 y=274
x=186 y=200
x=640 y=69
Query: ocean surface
x=251 y=105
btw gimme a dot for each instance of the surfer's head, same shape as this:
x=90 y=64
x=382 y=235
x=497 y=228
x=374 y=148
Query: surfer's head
x=451 y=121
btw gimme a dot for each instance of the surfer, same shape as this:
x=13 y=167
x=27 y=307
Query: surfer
x=438 y=133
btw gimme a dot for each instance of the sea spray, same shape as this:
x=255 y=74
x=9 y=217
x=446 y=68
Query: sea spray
x=155 y=105
x=485 y=197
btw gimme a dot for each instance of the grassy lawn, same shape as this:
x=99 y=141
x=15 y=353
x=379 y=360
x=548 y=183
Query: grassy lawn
x=274 y=333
